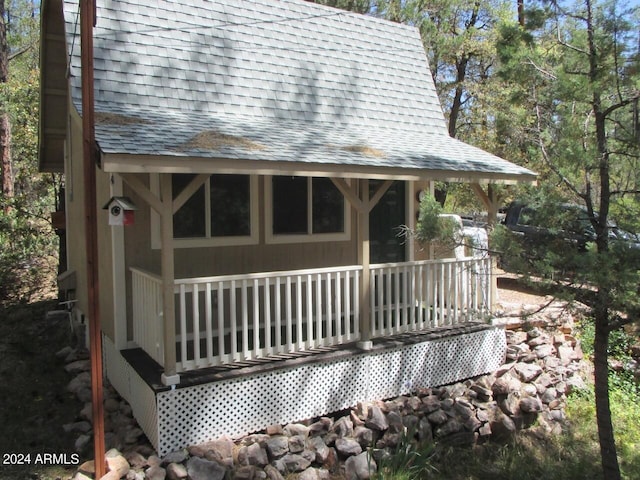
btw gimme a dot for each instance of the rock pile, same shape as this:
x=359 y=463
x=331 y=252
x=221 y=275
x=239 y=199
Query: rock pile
x=541 y=369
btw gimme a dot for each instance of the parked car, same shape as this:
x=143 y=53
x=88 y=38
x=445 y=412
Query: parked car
x=561 y=230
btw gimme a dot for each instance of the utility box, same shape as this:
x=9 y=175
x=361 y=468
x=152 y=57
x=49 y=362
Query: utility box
x=121 y=211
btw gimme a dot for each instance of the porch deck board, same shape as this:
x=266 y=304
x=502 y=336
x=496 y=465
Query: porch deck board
x=150 y=371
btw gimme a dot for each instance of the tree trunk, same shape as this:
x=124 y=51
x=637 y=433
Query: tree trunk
x=608 y=452
x=6 y=173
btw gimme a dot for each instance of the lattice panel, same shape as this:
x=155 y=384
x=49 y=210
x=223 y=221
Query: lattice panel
x=197 y=414
x=132 y=388
x=235 y=407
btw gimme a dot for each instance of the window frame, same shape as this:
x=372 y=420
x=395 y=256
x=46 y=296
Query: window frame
x=309 y=237
x=208 y=240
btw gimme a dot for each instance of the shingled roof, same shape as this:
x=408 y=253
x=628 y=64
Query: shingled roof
x=268 y=86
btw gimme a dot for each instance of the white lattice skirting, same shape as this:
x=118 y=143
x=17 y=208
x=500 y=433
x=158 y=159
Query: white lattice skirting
x=196 y=414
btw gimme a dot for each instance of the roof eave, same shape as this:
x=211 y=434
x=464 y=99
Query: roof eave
x=127 y=163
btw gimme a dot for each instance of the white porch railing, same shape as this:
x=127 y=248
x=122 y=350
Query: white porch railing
x=148 y=326
x=413 y=296
x=231 y=318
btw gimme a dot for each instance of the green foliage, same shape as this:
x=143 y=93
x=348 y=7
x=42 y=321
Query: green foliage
x=432 y=227
x=409 y=460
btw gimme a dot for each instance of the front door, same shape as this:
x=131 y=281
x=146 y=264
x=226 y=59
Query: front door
x=385 y=221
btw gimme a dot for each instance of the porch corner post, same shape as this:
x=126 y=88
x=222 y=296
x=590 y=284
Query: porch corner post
x=365 y=342
x=170 y=376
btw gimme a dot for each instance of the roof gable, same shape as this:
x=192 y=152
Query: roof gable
x=292 y=82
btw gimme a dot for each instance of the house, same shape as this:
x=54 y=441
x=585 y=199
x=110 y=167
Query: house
x=271 y=149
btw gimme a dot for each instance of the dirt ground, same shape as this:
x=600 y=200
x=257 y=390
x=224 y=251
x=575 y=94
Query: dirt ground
x=34 y=403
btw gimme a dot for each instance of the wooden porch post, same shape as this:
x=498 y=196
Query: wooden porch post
x=363 y=203
x=169 y=377
x=364 y=260
x=490 y=201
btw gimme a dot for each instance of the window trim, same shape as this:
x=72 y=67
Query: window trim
x=222 y=241
x=282 y=238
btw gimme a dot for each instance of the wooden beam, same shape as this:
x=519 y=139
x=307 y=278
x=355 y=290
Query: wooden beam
x=382 y=189
x=188 y=191
x=143 y=191
x=364 y=258
x=350 y=192
x=489 y=200
x=169 y=377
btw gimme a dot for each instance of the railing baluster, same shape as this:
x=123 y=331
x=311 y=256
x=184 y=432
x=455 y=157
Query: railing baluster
x=338 y=309
x=299 y=319
x=195 y=292
x=309 y=309
x=278 y=314
x=287 y=296
x=319 y=336
x=329 y=319
x=267 y=316
x=356 y=305
x=235 y=350
x=221 y=350
x=245 y=321
x=208 y=323
x=256 y=317
x=347 y=306
x=183 y=326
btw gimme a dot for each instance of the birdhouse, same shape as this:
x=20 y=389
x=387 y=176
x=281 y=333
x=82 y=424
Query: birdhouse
x=121 y=211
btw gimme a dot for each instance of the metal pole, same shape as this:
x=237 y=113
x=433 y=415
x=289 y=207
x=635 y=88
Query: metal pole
x=87 y=22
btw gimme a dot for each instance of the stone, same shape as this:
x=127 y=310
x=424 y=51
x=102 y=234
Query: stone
x=527 y=372
x=530 y=405
x=111 y=405
x=425 y=432
x=201 y=469
x=438 y=417
x=394 y=420
x=431 y=403
x=544 y=350
x=505 y=385
x=277 y=446
x=510 y=404
x=376 y=420
x=347 y=447
x=343 y=427
x=364 y=436
x=317 y=445
x=132 y=435
x=274 y=430
x=220 y=451
x=116 y=462
x=179 y=456
x=575 y=383
x=247 y=472
x=484 y=394
x=549 y=395
x=83 y=380
x=294 y=463
x=360 y=467
x=78 y=366
x=310 y=474
x=296 y=444
x=296 y=429
x=77 y=427
x=158 y=473
x=176 y=471
x=450 y=427
x=502 y=426
x=135 y=460
x=82 y=442
x=253 y=454
x=320 y=427
x=273 y=473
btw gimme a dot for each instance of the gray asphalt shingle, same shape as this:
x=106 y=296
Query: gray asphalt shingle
x=304 y=81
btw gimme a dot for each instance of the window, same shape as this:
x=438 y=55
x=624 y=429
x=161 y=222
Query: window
x=221 y=212
x=303 y=207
